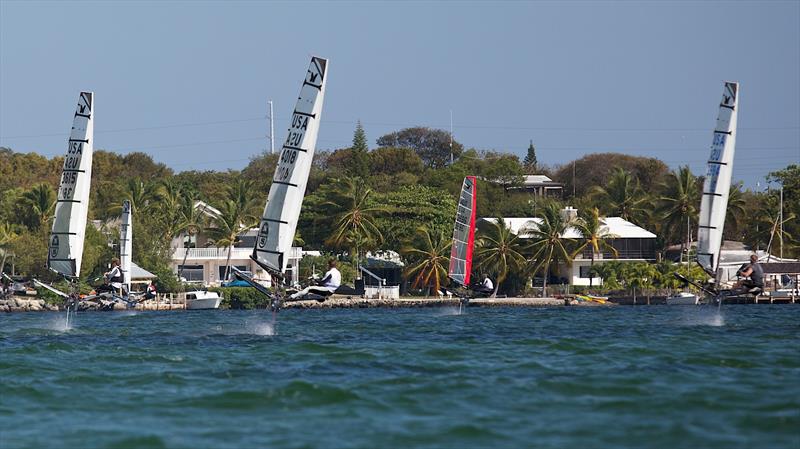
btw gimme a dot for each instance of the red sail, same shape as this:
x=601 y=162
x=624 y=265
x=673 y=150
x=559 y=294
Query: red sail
x=463 y=234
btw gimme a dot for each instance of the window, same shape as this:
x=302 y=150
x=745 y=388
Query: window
x=191 y=272
x=584 y=271
x=223 y=267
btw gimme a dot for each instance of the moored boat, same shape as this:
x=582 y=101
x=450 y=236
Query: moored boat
x=202 y=300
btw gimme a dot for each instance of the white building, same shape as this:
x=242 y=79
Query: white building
x=633 y=244
x=198 y=260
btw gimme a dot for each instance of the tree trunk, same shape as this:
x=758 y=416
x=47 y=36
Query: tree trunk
x=3 y=263
x=591 y=266
x=228 y=263
x=185 y=254
x=496 y=287
x=544 y=279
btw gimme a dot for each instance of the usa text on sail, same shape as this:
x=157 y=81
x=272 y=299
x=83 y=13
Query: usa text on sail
x=717 y=184
x=463 y=234
x=66 y=238
x=279 y=221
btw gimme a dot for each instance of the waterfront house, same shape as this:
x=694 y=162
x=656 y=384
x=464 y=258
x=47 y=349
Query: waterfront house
x=540 y=186
x=197 y=259
x=633 y=244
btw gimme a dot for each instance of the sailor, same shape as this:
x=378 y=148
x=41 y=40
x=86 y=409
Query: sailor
x=326 y=286
x=151 y=290
x=754 y=271
x=486 y=286
x=113 y=278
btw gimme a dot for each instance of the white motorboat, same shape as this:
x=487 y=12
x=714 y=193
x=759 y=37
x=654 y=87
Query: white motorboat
x=683 y=299
x=201 y=300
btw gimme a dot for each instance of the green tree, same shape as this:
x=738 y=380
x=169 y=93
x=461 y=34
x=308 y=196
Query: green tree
x=429 y=259
x=547 y=245
x=679 y=203
x=498 y=251
x=432 y=145
x=530 y=163
x=355 y=224
x=41 y=199
x=234 y=218
x=359 y=163
x=621 y=196
x=411 y=207
x=594 y=235
x=735 y=212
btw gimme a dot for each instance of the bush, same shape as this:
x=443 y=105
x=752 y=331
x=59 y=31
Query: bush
x=244 y=298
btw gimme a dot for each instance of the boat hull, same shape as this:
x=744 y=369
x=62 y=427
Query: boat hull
x=203 y=304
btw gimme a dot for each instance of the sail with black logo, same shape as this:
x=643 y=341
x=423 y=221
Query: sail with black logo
x=65 y=250
x=716 y=187
x=463 y=234
x=126 y=244
x=279 y=221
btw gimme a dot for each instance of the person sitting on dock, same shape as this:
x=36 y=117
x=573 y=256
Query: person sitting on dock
x=113 y=279
x=325 y=287
x=485 y=287
x=753 y=270
x=150 y=293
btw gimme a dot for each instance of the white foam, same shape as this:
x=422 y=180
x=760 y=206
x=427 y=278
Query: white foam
x=450 y=311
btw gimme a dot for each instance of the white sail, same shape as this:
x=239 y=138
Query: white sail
x=126 y=244
x=463 y=234
x=279 y=222
x=72 y=205
x=718 y=181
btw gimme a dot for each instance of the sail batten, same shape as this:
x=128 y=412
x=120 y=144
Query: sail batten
x=463 y=234
x=282 y=210
x=716 y=188
x=126 y=244
x=65 y=246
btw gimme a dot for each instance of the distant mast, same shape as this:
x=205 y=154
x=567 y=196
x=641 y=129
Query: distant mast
x=279 y=222
x=716 y=188
x=126 y=244
x=65 y=251
x=463 y=234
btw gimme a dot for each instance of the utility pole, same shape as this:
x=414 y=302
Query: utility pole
x=451 y=137
x=271 y=130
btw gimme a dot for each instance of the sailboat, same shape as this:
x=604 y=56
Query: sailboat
x=714 y=203
x=126 y=246
x=65 y=251
x=282 y=210
x=463 y=239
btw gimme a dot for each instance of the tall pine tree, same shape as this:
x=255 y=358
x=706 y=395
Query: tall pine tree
x=530 y=163
x=359 y=162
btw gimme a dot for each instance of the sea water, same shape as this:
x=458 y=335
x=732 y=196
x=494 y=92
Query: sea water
x=622 y=377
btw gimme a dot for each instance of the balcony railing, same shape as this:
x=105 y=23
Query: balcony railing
x=222 y=253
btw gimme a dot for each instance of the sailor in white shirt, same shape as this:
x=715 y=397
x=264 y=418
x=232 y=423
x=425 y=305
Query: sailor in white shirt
x=113 y=278
x=326 y=286
x=486 y=286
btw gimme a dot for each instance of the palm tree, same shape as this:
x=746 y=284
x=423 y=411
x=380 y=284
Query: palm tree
x=141 y=195
x=356 y=225
x=41 y=199
x=736 y=210
x=498 y=251
x=191 y=220
x=226 y=228
x=547 y=244
x=594 y=235
x=622 y=196
x=678 y=204
x=429 y=260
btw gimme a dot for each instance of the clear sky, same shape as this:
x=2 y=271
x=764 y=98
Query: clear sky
x=188 y=82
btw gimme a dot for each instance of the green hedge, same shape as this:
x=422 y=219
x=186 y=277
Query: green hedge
x=241 y=298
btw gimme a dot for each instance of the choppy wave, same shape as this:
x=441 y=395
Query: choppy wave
x=621 y=377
